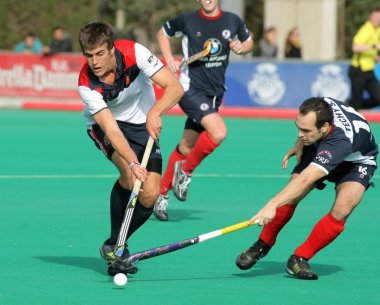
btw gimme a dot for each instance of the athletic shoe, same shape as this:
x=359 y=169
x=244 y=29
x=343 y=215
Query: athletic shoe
x=251 y=256
x=299 y=267
x=116 y=265
x=180 y=182
x=160 y=208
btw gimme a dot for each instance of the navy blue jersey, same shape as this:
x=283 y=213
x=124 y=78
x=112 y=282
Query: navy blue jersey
x=350 y=140
x=207 y=74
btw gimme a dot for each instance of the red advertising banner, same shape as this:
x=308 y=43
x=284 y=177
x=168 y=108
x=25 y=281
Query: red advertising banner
x=39 y=76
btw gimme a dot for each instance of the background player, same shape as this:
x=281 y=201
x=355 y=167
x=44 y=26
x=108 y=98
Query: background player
x=204 y=84
x=336 y=144
x=121 y=113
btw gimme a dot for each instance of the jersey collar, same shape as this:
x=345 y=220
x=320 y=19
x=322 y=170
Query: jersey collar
x=210 y=18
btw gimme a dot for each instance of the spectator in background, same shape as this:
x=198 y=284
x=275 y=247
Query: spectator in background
x=30 y=44
x=293 y=47
x=365 y=46
x=268 y=44
x=61 y=42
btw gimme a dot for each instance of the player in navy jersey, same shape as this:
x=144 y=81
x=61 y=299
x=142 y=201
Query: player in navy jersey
x=204 y=84
x=334 y=143
x=120 y=113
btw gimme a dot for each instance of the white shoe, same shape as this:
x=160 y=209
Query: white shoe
x=180 y=182
x=160 y=208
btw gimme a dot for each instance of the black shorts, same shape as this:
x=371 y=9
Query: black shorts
x=344 y=172
x=137 y=137
x=197 y=105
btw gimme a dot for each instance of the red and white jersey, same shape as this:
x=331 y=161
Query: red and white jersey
x=132 y=95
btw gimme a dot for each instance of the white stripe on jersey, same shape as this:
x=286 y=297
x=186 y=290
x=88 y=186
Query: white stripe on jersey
x=341 y=121
x=184 y=78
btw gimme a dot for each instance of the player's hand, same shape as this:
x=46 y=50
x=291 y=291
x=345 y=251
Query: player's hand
x=173 y=65
x=296 y=150
x=235 y=45
x=264 y=216
x=153 y=124
x=138 y=172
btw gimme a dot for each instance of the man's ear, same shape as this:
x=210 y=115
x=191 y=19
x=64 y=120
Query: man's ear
x=325 y=127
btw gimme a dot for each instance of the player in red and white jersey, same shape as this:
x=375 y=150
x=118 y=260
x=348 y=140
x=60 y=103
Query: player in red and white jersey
x=204 y=84
x=120 y=113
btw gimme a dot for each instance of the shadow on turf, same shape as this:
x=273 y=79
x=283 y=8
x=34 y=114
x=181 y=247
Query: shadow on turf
x=270 y=268
x=181 y=215
x=91 y=263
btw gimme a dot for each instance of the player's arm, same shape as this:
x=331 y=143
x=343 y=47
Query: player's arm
x=107 y=123
x=166 y=51
x=360 y=42
x=173 y=91
x=296 y=150
x=296 y=187
x=241 y=48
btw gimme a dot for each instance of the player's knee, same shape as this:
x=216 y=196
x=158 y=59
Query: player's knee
x=218 y=136
x=147 y=199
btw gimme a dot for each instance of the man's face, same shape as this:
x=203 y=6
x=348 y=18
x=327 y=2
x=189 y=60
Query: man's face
x=375 y=18
x=209 y=5
x=101 y=60
x=308 y=133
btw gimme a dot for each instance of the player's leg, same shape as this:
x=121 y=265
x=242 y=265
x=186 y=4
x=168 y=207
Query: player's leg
x=214 y=134
x=373 y=88
x=351 y=183
x=248 y=258
x=204 y=117
x=180 y=152
x=357 y=78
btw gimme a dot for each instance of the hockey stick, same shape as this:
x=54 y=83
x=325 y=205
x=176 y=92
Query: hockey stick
x=198 y=55
x=120 y=244
x=139 y=256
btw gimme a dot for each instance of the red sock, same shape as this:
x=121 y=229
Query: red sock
x=203 y=147
x=323 y=233
x=271 y=230
x=166 y=184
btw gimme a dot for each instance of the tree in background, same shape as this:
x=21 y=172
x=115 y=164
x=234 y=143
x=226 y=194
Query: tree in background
x=143 y=18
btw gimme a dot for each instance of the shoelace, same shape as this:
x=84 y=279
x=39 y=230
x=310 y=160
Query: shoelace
x=303 y=264
x=183 y=186
x=162 y=205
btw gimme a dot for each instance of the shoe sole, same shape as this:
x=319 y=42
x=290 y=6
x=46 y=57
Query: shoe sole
x=243 y=266
x=159 y=217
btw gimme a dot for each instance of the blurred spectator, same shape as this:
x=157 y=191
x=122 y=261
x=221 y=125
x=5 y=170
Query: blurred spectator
x=268 y=44
x=30 y=44
x=293 y=47
x=365 y=46
x=61 y=42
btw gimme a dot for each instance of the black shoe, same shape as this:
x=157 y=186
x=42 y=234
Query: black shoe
x=116 y=265
x=251 y=256
x=299 y=267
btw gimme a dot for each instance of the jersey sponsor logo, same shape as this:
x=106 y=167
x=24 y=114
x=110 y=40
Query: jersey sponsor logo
x=330 y=81
x=266 y=87
x=226 y=34
x=324 y=156
x=216 y=47
x=204 y=107
x=213 y=60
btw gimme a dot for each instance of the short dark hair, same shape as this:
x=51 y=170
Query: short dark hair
x=95 y=34
x=374 y=9
x=322 y=109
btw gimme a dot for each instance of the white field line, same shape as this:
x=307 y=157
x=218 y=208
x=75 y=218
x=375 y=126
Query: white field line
x=98 y=176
